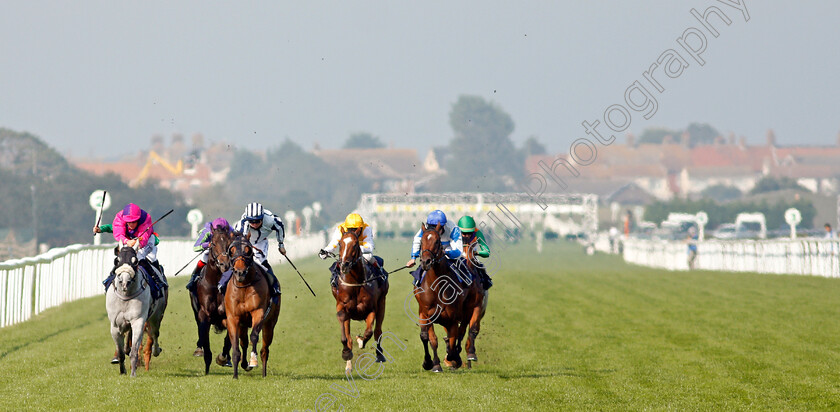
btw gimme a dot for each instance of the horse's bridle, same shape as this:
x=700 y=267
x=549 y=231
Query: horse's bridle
x=352 y=262
x=135 y=278
x=436 y=254
x=216 y=257
x=242 y=243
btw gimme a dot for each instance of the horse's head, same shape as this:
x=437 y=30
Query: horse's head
x=431 y=250
x=349 y=251
x=241 y=255
x=220 y=241
x=125 y=264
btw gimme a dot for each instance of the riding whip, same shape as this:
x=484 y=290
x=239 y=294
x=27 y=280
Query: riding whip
x=301 y=276
x=101 y=205
x=397 y=270
x=188 y=263
x=156 y=222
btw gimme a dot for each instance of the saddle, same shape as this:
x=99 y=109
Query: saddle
x=157 y=281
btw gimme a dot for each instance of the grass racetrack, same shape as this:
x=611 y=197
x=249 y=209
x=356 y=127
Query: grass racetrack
x=563 y=331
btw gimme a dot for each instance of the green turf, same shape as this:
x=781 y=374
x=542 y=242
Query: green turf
x=563 y=331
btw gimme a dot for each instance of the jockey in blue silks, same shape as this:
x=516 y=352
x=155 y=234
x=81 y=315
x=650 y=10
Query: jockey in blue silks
x=435 y=218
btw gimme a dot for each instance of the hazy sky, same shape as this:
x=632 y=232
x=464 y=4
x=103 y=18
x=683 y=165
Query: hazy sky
x=103 y=77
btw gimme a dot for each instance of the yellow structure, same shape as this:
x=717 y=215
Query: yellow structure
x=153 y=160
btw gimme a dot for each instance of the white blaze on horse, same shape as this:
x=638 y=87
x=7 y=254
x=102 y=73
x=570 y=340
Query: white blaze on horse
x=129 y=304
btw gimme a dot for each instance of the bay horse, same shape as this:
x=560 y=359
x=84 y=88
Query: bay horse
x=475 y=303
x=130 y=306
x=357 y=298
x=207 y=303
x=248 y=303
x=441 y=301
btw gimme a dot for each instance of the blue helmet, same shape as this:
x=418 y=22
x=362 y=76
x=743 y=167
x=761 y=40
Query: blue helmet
x=436 y=218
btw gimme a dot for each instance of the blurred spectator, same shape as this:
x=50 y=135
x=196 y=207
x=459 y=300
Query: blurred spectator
x=829 y=234
x=692 y=247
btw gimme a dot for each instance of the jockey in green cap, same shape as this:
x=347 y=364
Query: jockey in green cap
x=466 y=235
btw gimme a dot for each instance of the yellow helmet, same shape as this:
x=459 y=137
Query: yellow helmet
x=353 y=221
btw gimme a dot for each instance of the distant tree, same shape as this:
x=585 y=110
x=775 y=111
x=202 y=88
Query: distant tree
x=655 y=135
x=363 y=141
x=721 y=193
x=532 y=146
x=702 y=133
x=772 y=184
x=291 y=178
x=483 y=155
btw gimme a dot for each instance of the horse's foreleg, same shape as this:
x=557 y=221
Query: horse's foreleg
x=346 y=343
x=224 y=358
x=475 y=327
x=377 y=332
x=147 y=347
x=268 y=336
x=204 y=343
x=256 y=327
x=136 y=342
x=118 y=340
x=243 y=344
x=233 y=334
x=434 y=341
x=453 y=345
x=363 y=340
x=424 y=337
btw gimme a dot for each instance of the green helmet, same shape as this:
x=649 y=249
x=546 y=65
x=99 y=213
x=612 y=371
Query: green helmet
x=466 y=224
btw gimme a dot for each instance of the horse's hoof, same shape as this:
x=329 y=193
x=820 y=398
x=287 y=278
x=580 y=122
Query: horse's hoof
x=199 y=352
x=223 y=361
x=447 y=363
x=437 y=368
x=348 y=368
x=157 y=351
x=115 y=361
x=252 y=363
x=247 y=368
x=427 y=365
x=360 y=341
x=472 y=357
x=381 y=358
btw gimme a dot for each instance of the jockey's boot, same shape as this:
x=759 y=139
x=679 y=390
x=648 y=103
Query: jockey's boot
x=160 y=278
x=334 y=277
x=194 y=277
x=380 y=273
x=485 y=280
x=110 y=279
x=418 y=275
x=275 y=287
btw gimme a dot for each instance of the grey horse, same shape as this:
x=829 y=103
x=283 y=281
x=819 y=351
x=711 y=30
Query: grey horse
x=129 y=304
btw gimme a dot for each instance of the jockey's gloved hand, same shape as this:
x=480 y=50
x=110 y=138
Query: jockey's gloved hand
x=282 y=250
x=323 y=254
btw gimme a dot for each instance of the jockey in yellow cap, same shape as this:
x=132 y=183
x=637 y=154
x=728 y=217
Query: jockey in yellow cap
x=373 y=264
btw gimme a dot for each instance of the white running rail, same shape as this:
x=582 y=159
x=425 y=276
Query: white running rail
x=818 y=257
x=31 y=285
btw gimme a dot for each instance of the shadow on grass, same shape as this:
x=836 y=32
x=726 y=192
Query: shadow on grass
x=41 y=339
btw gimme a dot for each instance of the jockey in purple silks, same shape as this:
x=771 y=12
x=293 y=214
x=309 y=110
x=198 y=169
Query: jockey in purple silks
x=203 y=243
